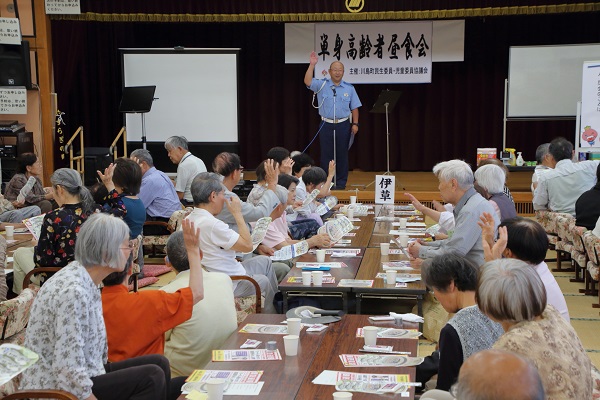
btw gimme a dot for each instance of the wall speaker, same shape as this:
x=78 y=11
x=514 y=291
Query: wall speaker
x=15 y=66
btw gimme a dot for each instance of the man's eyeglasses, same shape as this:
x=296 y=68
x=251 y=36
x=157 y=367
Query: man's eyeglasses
x=129 y=247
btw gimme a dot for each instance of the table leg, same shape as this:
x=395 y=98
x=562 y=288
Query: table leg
x=420 y=310
x=345 y=302
x=285 y=302
x=358 y=303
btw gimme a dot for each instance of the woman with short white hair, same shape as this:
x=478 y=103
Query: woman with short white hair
x=489 y=182
x=66 y=328
x=511 y=292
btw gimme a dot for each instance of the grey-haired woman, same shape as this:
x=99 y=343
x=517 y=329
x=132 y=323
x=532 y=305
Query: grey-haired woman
x=56 y=244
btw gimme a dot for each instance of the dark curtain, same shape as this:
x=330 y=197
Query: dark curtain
x=459 y=111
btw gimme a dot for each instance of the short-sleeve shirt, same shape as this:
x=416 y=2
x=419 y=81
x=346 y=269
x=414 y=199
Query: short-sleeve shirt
x=277 y=232
x=188 y=168
x=136 y=322
x=338 y=106
x=216 y=241
x=158 y=194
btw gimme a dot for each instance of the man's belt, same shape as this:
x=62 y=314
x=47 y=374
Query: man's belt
x=334 y=121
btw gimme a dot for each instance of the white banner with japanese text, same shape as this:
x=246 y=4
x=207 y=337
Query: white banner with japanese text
x=590 y=106
x=385 y=186
x=376 y=52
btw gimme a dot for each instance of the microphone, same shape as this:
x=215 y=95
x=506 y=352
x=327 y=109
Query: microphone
x=334 y=93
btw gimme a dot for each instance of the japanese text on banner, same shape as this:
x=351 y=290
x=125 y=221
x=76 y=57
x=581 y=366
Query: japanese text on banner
x=382 y=52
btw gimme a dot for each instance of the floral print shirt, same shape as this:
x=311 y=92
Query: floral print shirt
x=56 y=245
x=66 y=328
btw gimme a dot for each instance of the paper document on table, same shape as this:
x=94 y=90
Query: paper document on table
x=411 y=224
x=231 y=389
x=298 y=279
x=246 y=355
x=203 y=375
x=392 y=333
x=14 y=359
x=397 y=265
x=291 y=251
x=329 y=377
x=34 y=224
x=323 y=264
x=263 y=328
x=379 y=360
x=407 y=231
x=355 y=283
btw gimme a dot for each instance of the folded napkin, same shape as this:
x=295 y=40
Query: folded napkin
x=410 y=317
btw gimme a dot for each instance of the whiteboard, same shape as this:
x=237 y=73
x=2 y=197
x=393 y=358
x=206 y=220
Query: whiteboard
x=545 y=81
x=196 y=93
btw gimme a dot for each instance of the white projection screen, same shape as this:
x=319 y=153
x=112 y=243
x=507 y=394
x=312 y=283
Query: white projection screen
x=545 y=81
x=196 y=93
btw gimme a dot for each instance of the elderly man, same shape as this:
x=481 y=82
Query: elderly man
x=494 y=375
x=188 y=166
x=337 y=100
x=541 y=157
x=213 y=319
x=456 y=187
x=157 y=193
x=559 y=188
x=219 y=243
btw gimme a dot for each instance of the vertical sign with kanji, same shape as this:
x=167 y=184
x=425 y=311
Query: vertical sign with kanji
x=13 y=100
x=10 y=31
x=63 y=7
x=590 y=106
x=385 y=189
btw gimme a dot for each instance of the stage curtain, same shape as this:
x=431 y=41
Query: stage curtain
x=459 y=111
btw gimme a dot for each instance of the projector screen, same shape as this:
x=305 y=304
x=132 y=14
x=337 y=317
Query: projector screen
x=545 y=81
x=196 y=93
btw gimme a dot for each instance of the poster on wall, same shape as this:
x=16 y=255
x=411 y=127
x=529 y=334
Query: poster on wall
x=377 y=52
x=590 y=107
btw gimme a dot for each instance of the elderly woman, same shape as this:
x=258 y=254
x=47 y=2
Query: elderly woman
x=29 y=165
x=123 y=180
x=512 y=293
x=453 y=280
x=66 y=327
x=56 y=245
x=489 y=182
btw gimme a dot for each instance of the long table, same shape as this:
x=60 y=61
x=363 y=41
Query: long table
x=292 y=377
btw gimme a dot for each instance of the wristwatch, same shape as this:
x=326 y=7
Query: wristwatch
x=355 y=123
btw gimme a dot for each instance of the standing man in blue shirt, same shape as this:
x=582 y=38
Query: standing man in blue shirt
x=337 y=100
x=157 y=193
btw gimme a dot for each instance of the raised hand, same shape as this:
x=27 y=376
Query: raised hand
x=313 y=58
x=271 y=173
x=191 y=235
x=416 y=203
x=487 y=225
x=107 y=176
x=331 y=168
x=286 y=166
x=234 y=205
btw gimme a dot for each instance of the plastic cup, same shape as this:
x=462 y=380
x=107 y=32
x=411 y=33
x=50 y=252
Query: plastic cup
x=404 y=240
x=10 y=231
x=370 y=334
x=403 y=222
x=294 y=325
x=342 y=395
x=390 y=276
x=317 y=277
x=352 y=199
x=350 y=213
x=215 y=388
x=385 y=249
x=306 y=278
x=290 y=343
x=320 y=255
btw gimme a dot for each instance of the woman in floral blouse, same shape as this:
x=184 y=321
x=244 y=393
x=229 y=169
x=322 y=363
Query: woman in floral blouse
x=29 y=165
x=56 y=245
x=66 y=327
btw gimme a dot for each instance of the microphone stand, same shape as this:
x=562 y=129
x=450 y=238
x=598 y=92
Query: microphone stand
x=334 y=137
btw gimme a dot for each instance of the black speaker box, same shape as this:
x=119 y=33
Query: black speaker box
x=15 y=68
x=96 y=159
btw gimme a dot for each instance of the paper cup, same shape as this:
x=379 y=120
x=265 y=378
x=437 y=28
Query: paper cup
x=10 y=231
x=342 y=395
x=404 y=240
x=385 y=249
x=390 y=276
x=370 y=334
x=350 y=213
x=352 y=199
x=306 y=277
x=403 y=222
x=320 y=255
x=294 y=325
x=317 y=277
x=290 y=343
x=215 y=388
